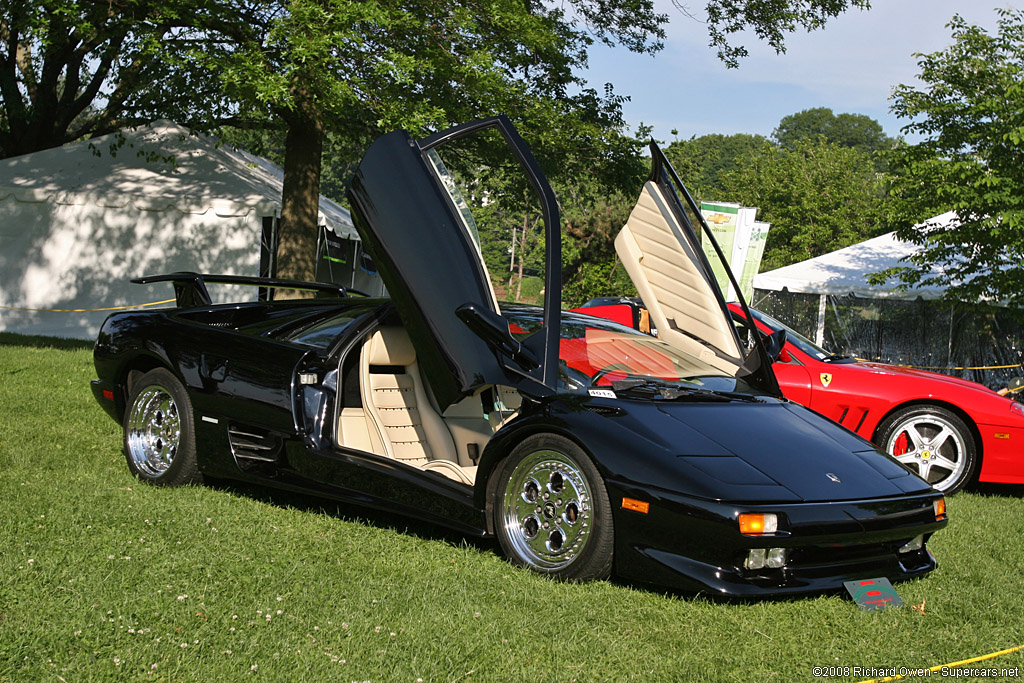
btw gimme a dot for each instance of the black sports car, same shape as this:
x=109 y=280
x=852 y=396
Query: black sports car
x=584 y=446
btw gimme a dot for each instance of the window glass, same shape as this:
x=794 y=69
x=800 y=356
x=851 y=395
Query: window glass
x=324 y=332
x=594 y=353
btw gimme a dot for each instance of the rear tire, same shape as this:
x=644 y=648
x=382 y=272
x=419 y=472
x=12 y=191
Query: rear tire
x=551 y=510
x=933 y=442
x=159 y=434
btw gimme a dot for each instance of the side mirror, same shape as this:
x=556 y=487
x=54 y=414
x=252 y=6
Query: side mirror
x=775 y=343
x=493 y=329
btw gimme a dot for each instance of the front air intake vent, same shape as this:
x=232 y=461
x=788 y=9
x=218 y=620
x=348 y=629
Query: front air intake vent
x=254 y=444
x=605 y=411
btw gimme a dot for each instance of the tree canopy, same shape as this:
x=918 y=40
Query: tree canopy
x=703 y=161
x=818 y=196
x=339 y=72
x=859 y=131
x=970 y=113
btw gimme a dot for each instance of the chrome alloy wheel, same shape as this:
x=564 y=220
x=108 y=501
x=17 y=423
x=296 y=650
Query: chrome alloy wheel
x=930 y=445
x=153 y=431
x=546 y=510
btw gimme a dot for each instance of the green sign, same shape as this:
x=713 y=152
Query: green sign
x=722 y=219
x=873 y=594
x=741 y=239
x=751 y=260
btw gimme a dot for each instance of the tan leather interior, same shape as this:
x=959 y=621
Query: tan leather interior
x=402 y=422
x=682 y=303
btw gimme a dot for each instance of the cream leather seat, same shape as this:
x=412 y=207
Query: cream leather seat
x=398 y=408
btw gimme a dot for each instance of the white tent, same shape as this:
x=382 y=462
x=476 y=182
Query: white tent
x=846 y=271
x=79 y=221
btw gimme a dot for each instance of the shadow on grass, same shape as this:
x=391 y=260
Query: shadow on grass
x=401 y=524
x=59 y=343
x=997 y=490
x=380 y=519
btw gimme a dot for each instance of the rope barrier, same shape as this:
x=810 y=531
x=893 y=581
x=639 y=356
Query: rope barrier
x=87 y=310
x=949 y=666
x=964 y=367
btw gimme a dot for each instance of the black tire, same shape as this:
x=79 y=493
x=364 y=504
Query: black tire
x=933 y=442
x=551 y=510
x=159 y=433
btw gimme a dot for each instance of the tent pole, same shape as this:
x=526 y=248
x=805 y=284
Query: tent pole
x=819 y=332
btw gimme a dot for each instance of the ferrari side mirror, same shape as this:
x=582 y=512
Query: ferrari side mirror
x=774 y=344
x=493 y=329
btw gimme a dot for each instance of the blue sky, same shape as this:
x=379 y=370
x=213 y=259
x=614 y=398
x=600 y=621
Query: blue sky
x=850 y=65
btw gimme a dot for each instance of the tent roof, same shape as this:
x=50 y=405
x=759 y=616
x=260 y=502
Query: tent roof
x=158 y=167
x=846 y=270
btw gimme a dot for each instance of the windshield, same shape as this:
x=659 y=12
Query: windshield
x=595 y=353
x=793 y=337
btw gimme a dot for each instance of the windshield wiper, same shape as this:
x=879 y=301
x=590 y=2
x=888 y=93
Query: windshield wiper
x=671 y=391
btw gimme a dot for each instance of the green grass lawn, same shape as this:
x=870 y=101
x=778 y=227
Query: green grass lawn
x=103 y=578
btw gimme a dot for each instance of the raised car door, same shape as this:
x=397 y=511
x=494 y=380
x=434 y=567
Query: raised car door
x=660 y=247
x=413 y=220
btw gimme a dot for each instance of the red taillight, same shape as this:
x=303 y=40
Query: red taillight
x=108 y=394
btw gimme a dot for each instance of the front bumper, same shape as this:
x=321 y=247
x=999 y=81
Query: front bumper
x=695 y=545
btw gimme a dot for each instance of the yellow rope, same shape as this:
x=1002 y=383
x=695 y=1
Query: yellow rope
x=87 y=310
x=952 y=665
x=966 y=367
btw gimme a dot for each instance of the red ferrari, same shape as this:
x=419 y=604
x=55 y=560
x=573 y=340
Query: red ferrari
x=948 y=430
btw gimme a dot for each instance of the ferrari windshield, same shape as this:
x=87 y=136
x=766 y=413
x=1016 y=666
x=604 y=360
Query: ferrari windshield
x=796 y=339
x=597 y=353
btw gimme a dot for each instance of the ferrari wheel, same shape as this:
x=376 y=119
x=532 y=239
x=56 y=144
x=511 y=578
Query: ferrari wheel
x=552 y=512
x=159 y=441
x=934 y=443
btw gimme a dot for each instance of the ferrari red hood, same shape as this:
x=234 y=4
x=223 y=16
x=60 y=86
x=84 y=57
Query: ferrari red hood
x=900 y=371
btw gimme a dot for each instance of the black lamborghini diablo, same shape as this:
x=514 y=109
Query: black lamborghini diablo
x=587 y=448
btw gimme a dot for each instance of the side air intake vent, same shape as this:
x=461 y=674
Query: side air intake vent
x=254 y=444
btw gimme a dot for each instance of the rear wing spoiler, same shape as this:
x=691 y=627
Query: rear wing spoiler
x=190 y=288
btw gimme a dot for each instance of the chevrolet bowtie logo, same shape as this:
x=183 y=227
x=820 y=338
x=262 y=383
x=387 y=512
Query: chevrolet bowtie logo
x=718 y=218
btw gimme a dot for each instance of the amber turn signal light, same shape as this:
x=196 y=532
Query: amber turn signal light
x=757 y=523
x=940 y=509
x=635 y=505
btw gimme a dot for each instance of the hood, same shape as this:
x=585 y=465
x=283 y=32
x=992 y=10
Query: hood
x=900 y=371
x=752 y=447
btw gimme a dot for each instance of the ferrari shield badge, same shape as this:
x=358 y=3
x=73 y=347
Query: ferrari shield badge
x=826 y=378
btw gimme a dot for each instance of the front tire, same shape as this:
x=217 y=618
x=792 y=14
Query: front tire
x=551 y=510
x=159 y=437
x=933 y=442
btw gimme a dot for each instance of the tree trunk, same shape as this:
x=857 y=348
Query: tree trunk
x=522 y=250
x=300 y=196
